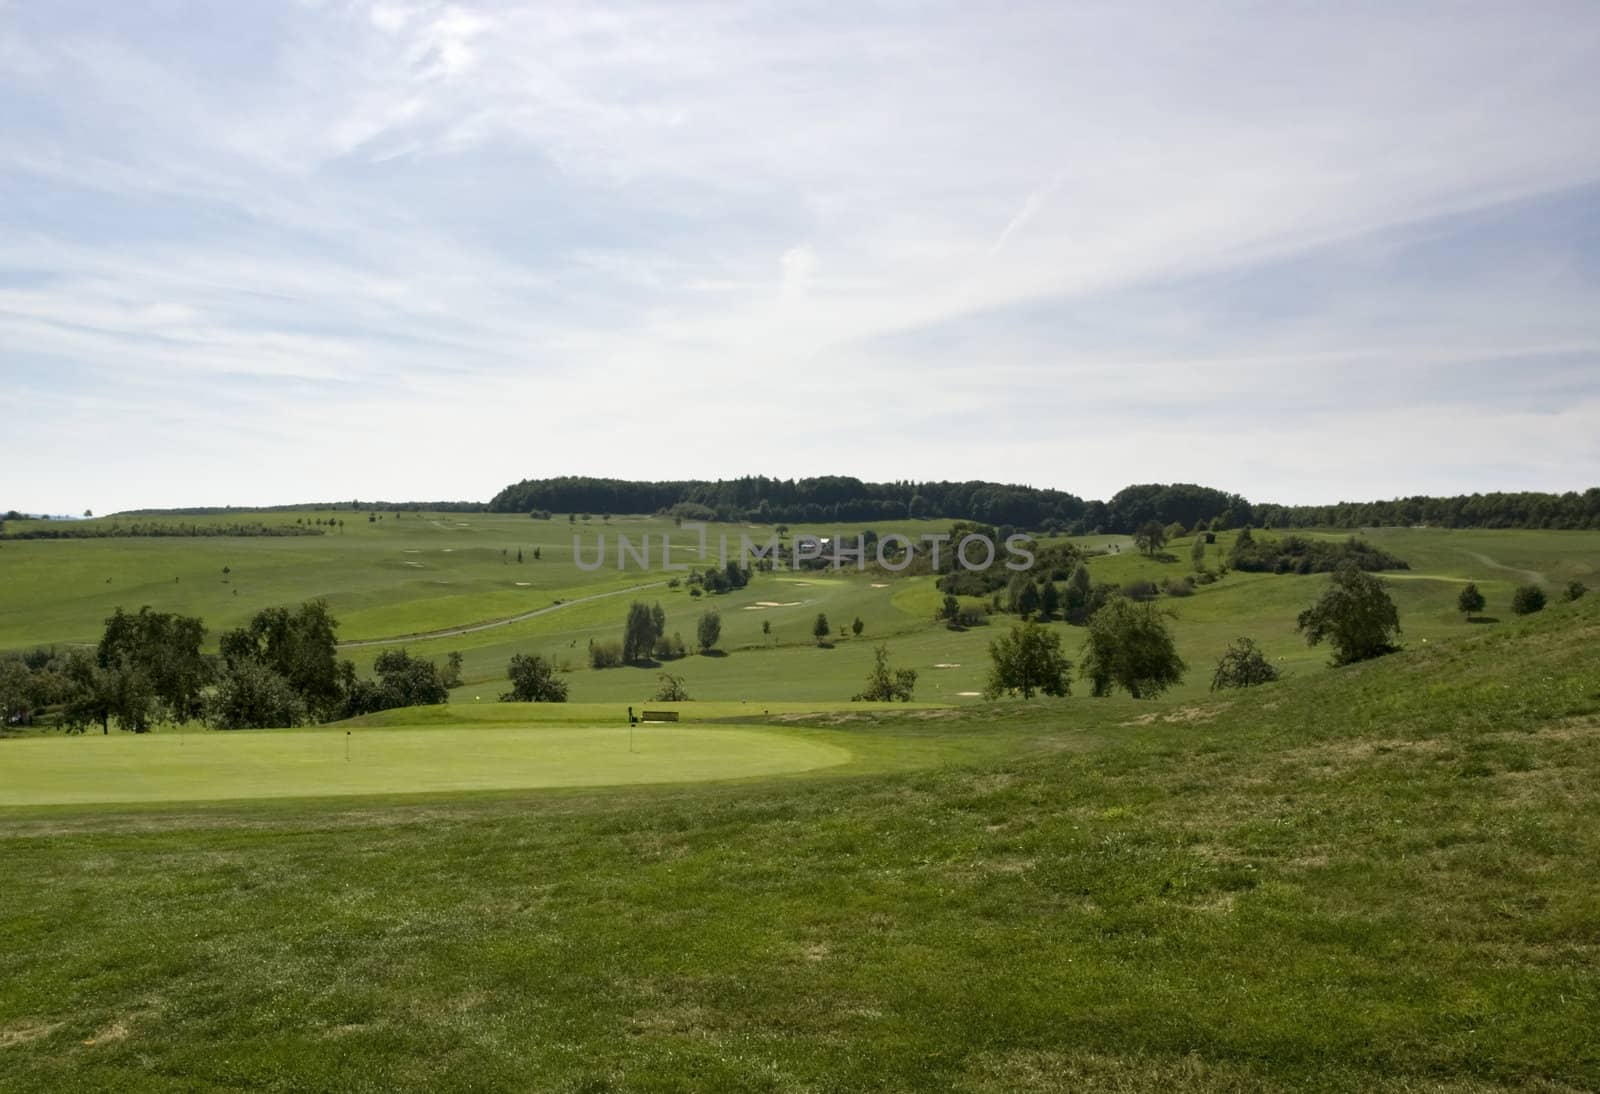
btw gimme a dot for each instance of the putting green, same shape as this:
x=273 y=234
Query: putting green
x=176 y=767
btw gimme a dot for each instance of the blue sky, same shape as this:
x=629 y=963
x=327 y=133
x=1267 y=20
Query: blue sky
x=259 y=253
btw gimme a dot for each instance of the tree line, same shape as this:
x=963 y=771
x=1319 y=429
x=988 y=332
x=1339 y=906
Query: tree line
x=843 y=498
x=279 y=670
x=154 y=529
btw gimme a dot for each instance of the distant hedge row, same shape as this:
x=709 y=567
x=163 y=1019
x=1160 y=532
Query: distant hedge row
x=155 y=530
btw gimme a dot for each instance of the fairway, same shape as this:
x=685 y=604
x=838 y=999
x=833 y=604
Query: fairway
x=216 y=766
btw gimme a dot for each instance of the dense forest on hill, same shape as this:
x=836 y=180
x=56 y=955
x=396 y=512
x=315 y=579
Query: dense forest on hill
x=842 y=498
x=848 y=499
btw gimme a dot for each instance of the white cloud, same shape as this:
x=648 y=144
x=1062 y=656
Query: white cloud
x=914 y=222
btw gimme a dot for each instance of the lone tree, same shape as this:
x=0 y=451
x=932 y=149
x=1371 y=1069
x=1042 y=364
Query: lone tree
x=1130 y=647
x=1197 y=553
x=885 y=685
x=1527 y=600
x=709 y=630
x=1471 y=601
x=856 y=627
x=1027 y=660
x=820 y=629
x=1243 y=666
x=1150 y=537
x=1576 y=589
x=670 y=689
x=533 y=680
x=1354 y=614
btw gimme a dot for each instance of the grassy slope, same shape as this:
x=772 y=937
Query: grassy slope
x=417 y=574
x=1379 y=877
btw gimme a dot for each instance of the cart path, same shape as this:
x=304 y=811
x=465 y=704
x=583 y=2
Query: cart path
x=1532 y=575
x=473 y=628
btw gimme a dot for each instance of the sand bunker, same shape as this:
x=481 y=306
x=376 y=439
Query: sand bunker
x=761 y=604
x=524 y=584
x=948 y=665
x=880 y=584
x=970 y=694
x=418 y=565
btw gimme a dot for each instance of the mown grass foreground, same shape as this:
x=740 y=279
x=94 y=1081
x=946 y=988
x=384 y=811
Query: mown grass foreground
x=1381 y=877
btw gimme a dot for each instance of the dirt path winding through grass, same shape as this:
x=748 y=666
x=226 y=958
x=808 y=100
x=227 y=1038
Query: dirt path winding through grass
x=1532 y=575
x=473 y=628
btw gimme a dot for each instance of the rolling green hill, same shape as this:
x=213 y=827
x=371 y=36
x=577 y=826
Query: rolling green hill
x=1378 y=877
x=399 y=579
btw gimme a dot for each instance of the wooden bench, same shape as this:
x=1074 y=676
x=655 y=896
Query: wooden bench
x=658 y=716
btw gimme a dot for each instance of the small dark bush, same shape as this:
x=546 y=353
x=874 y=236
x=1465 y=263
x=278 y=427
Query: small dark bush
x=605 y=655
x=1527 y=600
x=1243 y=666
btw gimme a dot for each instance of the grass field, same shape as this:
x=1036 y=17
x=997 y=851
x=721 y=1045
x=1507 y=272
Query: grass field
x=1372 y=878
x=422 y=573
x=212 y=766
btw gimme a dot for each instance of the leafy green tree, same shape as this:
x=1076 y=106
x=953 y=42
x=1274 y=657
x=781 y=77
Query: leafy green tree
x=155 y=653
x=856 y=626
x=1243 y=666
x=886 y=685
x=298 y=644
x=1527 y=600
x=1471 y=601
x=16 y=692
x=1197 y=552
x=1027 y=599
x=452 y=670
x=1049 y=600
x=533 y=680
x=1150 y=537
x=1082 y=598
x=1354 y=614
x=1130 y=647
x=670 y=689
x=951 y=608
x=1576 y=589
x=407 y=681
x=639 y=633
x=766 y=627
x=709 y=630
x=251 y=695
x=1028 y=660
x=90 y=692
x=820 y=629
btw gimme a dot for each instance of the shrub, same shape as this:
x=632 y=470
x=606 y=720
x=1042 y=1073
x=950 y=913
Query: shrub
x=1575 y=589
x=1527 y=600
x=1243 y=666
x=1141 y=590
x=533 y=680
x=670 y=689
x=972 y=617
x=709 y=630
x=885 y=685
x=605 y=655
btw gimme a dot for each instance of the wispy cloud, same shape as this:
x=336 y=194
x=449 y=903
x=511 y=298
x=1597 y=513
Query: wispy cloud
x=1071 y=245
